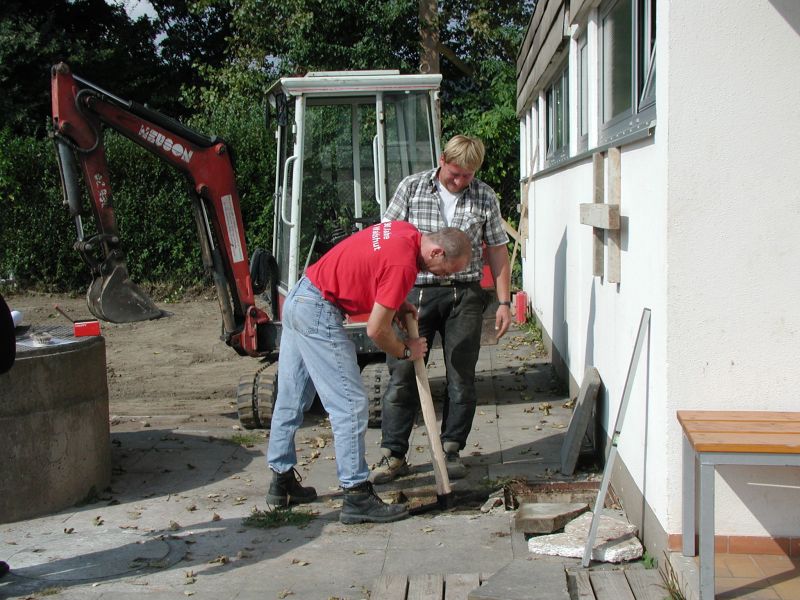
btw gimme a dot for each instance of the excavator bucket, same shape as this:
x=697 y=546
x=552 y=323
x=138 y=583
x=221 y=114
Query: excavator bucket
x=115 y=298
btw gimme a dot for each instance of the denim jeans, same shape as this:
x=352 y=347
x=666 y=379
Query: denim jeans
x=316 y=353
x=456 y=313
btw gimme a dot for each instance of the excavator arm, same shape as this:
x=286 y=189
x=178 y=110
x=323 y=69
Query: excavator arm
x=79 y=111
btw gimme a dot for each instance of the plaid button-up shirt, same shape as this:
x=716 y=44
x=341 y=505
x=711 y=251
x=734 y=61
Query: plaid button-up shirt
x=477 y=214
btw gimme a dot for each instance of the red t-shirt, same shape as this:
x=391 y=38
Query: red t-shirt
x=378 y=264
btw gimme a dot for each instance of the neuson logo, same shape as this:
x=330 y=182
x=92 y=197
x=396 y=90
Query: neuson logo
x=168 y=144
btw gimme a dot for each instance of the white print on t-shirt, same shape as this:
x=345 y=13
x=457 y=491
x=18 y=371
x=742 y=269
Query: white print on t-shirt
x=376 y=234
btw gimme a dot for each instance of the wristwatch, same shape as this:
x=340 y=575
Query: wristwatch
x=406 y=352
x=505 y=303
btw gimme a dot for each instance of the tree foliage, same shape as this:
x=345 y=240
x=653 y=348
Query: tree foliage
x=208 y=62
x=91 y=35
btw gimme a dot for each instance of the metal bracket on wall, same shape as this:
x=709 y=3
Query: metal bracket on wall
x=644 y=325
x=604 y=216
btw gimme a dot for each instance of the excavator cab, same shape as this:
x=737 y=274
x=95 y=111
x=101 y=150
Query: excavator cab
x=344 y=142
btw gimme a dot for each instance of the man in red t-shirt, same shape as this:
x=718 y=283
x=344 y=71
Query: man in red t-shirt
x=371 y=272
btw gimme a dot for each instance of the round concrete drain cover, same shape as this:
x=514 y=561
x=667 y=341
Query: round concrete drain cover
x=79 y=557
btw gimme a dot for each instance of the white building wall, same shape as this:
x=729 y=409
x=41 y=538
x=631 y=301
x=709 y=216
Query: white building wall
x=711 y=215
x=594 y=322
x=733 y=253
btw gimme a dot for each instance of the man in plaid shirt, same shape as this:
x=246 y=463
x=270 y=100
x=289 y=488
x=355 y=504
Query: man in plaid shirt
x=448 y=196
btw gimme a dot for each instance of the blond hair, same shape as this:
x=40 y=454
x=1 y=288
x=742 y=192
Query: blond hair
x=465 y=152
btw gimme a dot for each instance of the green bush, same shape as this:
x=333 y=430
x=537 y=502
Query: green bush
x=151 y=205
x=36 y=233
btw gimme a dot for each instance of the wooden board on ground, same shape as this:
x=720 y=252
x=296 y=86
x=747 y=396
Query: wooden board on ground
x=646 y=583
x=390 y=587
x=457 y=586
x=425 y=587
x=453 y=586
x=579 y=421
x=611 y=585
x=583 y=586
x=633 y=583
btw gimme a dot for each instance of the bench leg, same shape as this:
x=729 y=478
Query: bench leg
x=706 y=531
x=689 y=473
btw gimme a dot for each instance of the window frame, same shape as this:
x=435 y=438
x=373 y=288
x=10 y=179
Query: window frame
x=642 y=111
x=557 y=150
x=582 y=96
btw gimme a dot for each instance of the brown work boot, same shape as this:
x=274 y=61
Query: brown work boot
x=388 y=468
x=455 y=468
x=285 y=489
x=362 y=505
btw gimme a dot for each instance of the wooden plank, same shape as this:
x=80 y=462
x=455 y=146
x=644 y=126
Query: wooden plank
x=583 y=587
x=610 y=585
x=425 y=587
x=614 y=197
x=760 y=443
x=737 y=415
x=598 y=191
x=600 y=216
x=738 y=427
x=530 y=31
x=579 y=420
x=390 y=587
x=578 y=10
x=646 y=584
x=535 y=77
x=510 y=230
x=457 y=586
x=550 y=9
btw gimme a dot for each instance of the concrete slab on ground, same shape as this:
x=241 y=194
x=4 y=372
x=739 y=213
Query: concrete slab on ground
x=523 y=579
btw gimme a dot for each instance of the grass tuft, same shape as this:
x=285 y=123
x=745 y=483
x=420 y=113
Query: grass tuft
x=278 y=517
x=248 y=440
x=672 y=584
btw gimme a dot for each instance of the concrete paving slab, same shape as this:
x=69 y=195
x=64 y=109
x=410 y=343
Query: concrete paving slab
x=524 y=579
x=615 y=541
x=449 y=544
x=546 y=517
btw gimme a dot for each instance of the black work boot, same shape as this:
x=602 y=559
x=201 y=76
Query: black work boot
x=362 y=505
x=285 y=489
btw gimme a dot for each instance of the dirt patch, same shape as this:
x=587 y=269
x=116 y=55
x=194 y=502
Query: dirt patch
x=174 y=366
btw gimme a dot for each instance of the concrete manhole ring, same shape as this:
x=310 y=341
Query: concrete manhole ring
x=95 y=556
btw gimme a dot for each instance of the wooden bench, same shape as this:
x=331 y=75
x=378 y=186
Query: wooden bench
x=711 y=438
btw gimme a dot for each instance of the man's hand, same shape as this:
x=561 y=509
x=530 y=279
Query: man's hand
x=418 y=347
x=502 y=320
x=406 y=308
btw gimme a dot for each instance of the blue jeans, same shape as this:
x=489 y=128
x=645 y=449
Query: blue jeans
x=456 y=312
x=316 y=353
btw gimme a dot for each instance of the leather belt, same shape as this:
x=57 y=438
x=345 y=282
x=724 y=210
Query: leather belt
x=446 y=283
